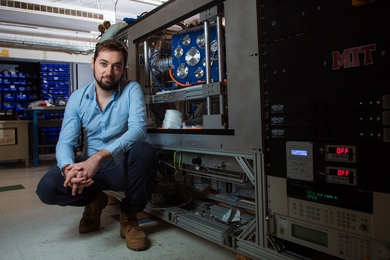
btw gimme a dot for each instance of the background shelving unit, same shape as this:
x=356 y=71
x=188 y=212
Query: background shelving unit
x=19 y=86
x=24 y=82
x=55 y=83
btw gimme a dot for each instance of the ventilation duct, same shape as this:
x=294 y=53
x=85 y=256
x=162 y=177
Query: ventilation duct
x=47 y=9
x=53 y=15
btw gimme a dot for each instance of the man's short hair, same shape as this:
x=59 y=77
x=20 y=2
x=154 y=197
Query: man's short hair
x=111 y=45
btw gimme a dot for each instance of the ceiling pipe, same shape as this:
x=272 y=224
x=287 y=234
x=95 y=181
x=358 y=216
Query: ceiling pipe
x=150 y=2
x=46 y=43
x=44 y=32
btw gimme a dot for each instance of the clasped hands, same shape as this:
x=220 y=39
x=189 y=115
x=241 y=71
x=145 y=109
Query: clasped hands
x=78 y=176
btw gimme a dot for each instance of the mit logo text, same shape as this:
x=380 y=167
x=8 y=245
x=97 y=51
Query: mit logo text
x=350 y=57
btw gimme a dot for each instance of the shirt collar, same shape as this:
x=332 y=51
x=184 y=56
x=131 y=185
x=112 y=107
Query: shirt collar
x=91 y=92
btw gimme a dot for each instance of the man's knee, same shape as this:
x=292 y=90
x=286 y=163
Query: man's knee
x=47 y=186
x=145 y=157
x=44 y=193
x=144 y=149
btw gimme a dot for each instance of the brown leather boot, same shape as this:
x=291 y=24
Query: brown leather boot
x=136 y=239
x=91 y=216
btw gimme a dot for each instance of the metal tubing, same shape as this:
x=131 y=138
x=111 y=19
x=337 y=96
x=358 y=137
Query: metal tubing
x=146 y=55
x=207 y=60
x=162 y=65
x=221 y=63
x=221 y=54
x=212 y=175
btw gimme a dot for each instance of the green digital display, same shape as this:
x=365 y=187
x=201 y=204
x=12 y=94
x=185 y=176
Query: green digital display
x=320 y=193
x=315 y=196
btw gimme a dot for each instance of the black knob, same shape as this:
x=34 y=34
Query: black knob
x=197 y=161
x=362 y=227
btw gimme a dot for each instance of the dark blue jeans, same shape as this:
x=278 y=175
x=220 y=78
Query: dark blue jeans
x=134 y=176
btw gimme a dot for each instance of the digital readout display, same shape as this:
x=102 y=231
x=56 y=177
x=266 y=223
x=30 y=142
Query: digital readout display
x=319 y=196
x=346 y=176
x=341 y=150
x=341 y=153
x=341 y=172
x=344 y=173
x=299 y=152
x=319 y=193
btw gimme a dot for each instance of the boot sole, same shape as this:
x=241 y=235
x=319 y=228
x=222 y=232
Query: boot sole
x=138 y=248
x=89 y=230
x=135 y=248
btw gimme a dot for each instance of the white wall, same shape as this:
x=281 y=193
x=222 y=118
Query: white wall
x=81 y=75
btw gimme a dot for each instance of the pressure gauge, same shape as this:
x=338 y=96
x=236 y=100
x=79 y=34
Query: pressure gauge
x=182 y=71
x=186 y=40
x=192 y=56
x=199 y=73
x=214 y=46
x=178 y=52
x=200 y=41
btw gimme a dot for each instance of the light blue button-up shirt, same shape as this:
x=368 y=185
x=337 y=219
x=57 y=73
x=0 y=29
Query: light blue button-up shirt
x=116 y=129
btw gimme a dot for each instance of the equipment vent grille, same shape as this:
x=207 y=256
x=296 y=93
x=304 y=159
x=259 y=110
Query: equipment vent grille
x=50 y=9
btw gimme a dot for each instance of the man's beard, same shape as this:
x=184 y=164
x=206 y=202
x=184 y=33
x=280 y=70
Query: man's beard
x=107 y=87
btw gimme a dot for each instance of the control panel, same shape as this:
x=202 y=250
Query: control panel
x=338 y=218
x=345 y=223
x=330 y=240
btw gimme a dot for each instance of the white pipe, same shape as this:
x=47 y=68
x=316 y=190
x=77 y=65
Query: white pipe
x=23 y=40
x=44 y=32
x=151 y=2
